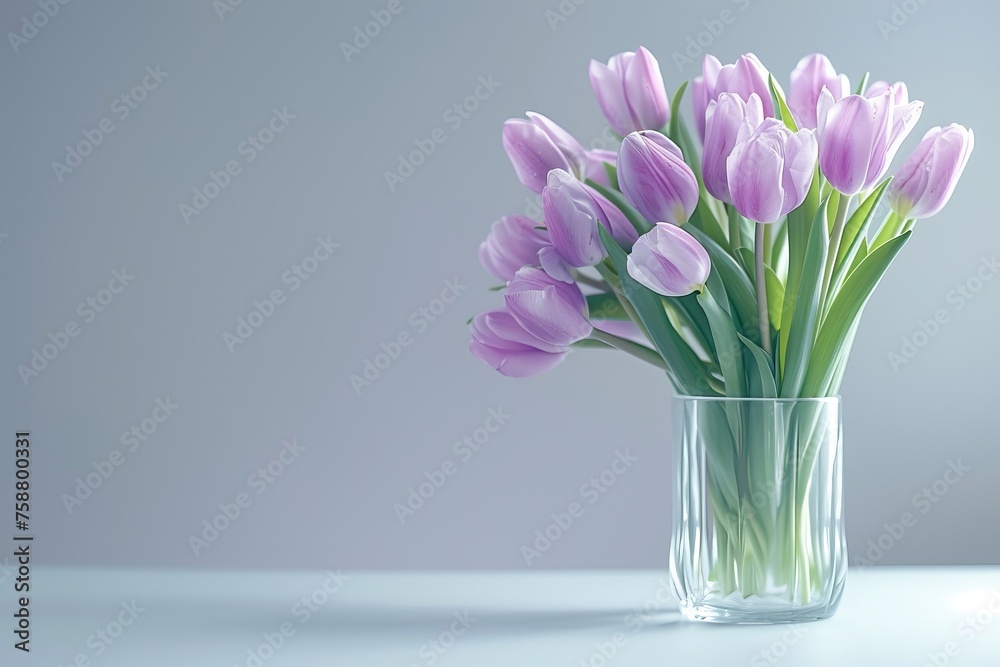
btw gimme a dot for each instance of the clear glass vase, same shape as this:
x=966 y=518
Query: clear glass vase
x=758 y=533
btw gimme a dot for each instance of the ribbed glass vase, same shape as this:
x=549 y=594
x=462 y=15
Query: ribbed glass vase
x=758 y=534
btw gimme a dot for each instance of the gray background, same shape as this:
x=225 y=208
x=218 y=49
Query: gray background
x=324 y=175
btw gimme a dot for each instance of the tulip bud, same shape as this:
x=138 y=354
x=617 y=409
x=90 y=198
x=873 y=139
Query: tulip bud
x=669 y=261
x=596 y=171
x=513 y=242
x=743 y=78
x=703 y=90
x=572 y=213
x=859 y=137
x=502 y=343
x=724 y=120
x=537 y=146
x=770 y=170
x=810 y=76
x=549 y=309
x=928 y=177
x=630 y=92
x=900 y=95
x=655 y=179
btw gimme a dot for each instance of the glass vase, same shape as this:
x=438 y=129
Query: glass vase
x=758 y=523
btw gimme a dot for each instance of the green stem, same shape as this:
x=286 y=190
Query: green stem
x=579 y=277
x=734 y=231
x=638 y=351
x=888 y=230
x=831 y=254
x=762 y=316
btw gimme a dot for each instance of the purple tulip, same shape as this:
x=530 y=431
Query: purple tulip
x=537 y=145
x=724 y=120
x=744 y=77
x=809 y=78
x=549 y=309
x=669 y=261
x=572 y=213
x=554 y=264
x=502 y=343
x=513 y=242
x=655 y=179
x=596 y=171
x=927 y=179
x=859 y=137
x=630 y=91
x=770 y=170
x=703 y=90
x=900 y=95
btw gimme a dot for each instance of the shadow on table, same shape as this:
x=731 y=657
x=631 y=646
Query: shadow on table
x=496 y=622
x=363 y=619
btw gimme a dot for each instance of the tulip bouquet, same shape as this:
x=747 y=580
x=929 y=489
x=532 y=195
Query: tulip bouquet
x=739 y=264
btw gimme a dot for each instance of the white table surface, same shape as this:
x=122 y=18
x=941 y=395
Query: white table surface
x=889 y=616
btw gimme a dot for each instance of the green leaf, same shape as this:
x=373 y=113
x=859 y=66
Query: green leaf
x=858 y=258
x=747 y=259
x=727 y=345
x=606 y=307
x=704 y=219
x=674 y=128
x=687 y=371
x=780 y=106
x=688 y=311
x=833 y=341
x=737 y=282
x=775 y=296
x=618 y=199
x=802 y=329
x=859 y=222
x=764 y=367
x=862 y=84
x=798 y=225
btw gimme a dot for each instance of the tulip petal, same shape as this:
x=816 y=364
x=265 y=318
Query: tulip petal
x=851 y=128
x=531 y=152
